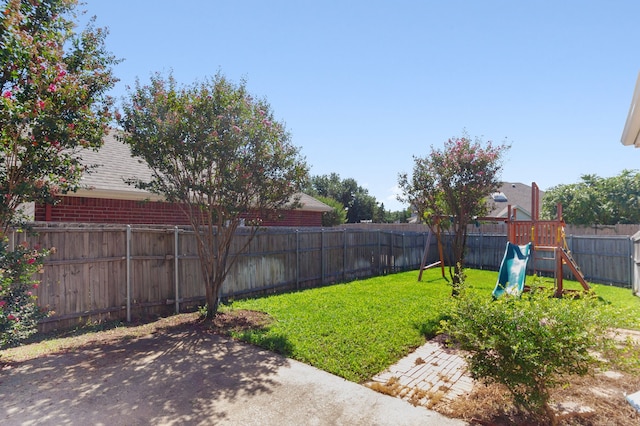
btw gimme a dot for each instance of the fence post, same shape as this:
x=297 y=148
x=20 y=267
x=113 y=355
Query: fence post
x=344 y=254
x=632 y=263
x=481 y=249
x=297 y=259
x=128 y=273
x=176 y=275
x=404 y=252
x=379 y=255
x=322 y=260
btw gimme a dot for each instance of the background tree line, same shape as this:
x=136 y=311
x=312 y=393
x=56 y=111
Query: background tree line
x=351 y=202
x=596 y=200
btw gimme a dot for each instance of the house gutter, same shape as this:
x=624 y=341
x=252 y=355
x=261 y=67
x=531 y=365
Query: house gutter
x=631 y=132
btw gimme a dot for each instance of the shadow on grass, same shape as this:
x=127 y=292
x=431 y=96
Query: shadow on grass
x=277 y=343
x=431 y=327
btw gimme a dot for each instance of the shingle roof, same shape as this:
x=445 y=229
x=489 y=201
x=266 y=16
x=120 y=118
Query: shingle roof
x=518 y=195
x=113 y=164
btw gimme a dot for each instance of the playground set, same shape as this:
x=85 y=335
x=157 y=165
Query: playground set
x=541 y=241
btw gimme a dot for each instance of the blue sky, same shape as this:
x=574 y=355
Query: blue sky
x=363 y=86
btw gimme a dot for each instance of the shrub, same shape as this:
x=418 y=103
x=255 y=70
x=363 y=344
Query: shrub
x=529 y=343
x=19 y=313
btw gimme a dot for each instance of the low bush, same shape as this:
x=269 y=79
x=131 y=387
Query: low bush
x=19 y=313
x=528 y=343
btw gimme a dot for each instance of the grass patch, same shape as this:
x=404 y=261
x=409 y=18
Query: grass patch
x=356 y=330
x=353 y=330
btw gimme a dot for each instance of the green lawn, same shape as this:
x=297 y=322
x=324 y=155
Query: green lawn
x=357 y=329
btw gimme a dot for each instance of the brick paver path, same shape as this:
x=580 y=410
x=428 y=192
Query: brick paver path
x=429 y=374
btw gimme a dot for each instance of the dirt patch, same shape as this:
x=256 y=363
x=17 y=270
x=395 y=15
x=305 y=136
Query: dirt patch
x=597 y=399
x=113 y=332
x=240 y=320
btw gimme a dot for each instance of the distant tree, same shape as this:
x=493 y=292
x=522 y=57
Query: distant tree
x=400 y=216
x=53 y=101
x=219 y=154
x=379 y=214
x=354 y=198
x=329 y=186
x=596 y=200
x=335 y=217
x=451 y=185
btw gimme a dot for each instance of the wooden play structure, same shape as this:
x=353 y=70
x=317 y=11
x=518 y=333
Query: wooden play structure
x=547 y=238
x=548 y=242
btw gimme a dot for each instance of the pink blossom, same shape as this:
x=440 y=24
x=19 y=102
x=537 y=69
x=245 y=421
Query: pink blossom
x=31 y=261
x=41 y=104
x=236 y=129
x=52 y=88
x=11 y=317
x=2 y=303
x=7 y=94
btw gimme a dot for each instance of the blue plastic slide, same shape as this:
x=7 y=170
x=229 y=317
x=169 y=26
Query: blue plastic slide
x=513 y=270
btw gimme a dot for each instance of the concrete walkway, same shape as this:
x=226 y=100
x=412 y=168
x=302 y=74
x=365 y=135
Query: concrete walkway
x=191 y=378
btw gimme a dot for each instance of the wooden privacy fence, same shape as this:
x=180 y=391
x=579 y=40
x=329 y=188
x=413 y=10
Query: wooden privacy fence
x=115 y=271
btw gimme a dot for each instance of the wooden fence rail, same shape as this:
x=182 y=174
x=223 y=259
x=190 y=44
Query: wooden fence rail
x=114 y=271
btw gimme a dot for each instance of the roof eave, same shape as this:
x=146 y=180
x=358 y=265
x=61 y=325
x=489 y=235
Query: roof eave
x=631 y=132
x=116 y=194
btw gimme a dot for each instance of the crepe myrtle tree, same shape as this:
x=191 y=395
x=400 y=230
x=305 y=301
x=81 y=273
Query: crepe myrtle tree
x=448 y=189
x=53 y=84
x=53 y=101
x=219 y=154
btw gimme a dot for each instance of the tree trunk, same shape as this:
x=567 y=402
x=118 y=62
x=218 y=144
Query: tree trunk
x=211 y=299
x=456 y=282
x=214 y=285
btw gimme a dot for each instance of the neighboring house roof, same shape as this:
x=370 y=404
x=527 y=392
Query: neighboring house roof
x=113 y=164
x=631 y=131
x=109 y=168
x=514 y=194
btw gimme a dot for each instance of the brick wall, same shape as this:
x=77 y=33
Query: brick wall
x=103 y=210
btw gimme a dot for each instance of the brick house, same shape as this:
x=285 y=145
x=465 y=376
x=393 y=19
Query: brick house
x=105 y=197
